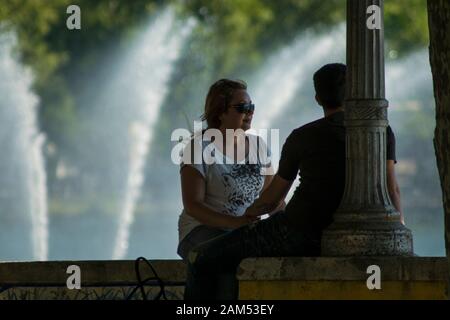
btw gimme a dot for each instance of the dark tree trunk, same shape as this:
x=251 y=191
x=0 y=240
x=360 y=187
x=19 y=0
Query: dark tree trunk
x=439 y=25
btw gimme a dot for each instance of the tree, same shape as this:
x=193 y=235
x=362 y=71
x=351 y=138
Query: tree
x=439 y=26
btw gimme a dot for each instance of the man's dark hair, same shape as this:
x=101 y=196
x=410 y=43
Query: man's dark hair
x=329 y=82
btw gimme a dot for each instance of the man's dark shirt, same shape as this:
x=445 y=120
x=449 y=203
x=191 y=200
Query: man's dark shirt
x=317 y=152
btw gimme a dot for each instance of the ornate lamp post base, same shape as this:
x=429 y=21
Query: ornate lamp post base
x=367 y=239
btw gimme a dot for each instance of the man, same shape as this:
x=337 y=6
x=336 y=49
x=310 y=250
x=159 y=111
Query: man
x=317 y=152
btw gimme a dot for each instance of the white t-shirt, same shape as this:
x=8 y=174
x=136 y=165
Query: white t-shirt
x=230 y=188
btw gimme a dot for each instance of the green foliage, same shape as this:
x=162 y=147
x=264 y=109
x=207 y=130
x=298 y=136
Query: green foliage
x=244 y=31
x=406 y=24
x=33 y=21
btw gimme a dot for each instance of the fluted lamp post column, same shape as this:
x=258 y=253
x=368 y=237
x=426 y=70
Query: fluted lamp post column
x=366 y=223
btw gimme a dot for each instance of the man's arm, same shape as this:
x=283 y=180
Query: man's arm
x=393 y=188
x=270 y=198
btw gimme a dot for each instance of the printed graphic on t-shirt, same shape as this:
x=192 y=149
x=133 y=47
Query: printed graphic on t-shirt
x=243 y=184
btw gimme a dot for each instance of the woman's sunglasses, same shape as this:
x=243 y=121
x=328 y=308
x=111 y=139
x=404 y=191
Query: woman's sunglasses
x=244 y=107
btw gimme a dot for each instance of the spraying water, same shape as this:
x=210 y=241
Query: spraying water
x=408 y=77
x=145 y=76
x=19 y=129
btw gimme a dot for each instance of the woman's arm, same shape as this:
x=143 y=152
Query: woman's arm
x=193 y=194
x=393 y=188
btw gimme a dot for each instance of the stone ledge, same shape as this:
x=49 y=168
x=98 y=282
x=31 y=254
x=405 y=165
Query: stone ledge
x=93 y=273
x=343 y=268
x=259 y=278
x=325 y=278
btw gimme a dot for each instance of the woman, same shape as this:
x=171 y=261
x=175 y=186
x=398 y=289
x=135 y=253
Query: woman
x=215 y=196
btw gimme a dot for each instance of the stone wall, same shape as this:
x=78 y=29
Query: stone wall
x=100 y=280
x=404 y=278
x=259 y=278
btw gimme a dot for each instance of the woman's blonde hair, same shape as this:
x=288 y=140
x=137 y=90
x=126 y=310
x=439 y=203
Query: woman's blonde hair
x=218 y=100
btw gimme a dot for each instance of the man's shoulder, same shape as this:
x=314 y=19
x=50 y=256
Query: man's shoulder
x=320 y=127
x=309 y=127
